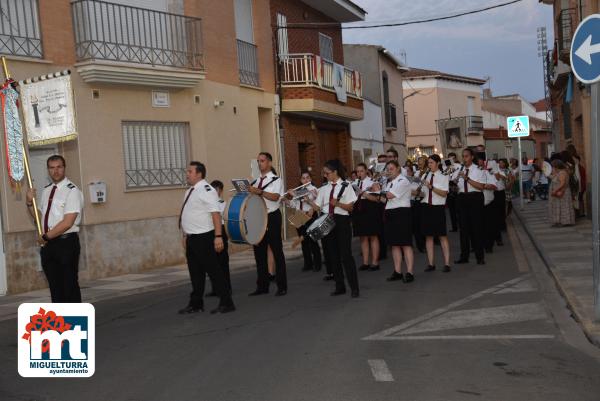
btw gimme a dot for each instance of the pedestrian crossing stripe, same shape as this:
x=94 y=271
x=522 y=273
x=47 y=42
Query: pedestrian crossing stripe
x=518 y=126
x=448 y=318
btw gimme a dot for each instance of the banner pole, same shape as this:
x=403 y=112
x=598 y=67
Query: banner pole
x=26 y=162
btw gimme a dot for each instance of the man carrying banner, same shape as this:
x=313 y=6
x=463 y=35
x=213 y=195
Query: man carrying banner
x=62 y=204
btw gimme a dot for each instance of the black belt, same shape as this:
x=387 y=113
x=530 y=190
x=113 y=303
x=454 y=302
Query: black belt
x=65 y=236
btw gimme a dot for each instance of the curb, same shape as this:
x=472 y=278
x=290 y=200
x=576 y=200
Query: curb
x=586 y=325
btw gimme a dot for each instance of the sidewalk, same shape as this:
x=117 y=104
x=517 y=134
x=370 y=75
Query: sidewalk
x=567 y=252
x=118 y=286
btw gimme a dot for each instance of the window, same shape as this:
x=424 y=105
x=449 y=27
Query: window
x=243 y=21
x=282 y=34
x=156 y=153
x=470 y=106
x=326 y=47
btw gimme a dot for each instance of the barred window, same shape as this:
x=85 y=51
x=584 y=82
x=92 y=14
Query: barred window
x=156 y=153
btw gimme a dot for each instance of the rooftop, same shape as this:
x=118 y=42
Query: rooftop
x=339 y=10
x=415 y=73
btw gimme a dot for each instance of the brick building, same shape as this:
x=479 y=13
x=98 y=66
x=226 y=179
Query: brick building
x=319 y=96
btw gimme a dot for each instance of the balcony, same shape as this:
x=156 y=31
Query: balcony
x=390 y=117
x=567 y=22
x=474 y=124
x=123 y=44
x=20 y=28
x=248 y=63
x=310 y=87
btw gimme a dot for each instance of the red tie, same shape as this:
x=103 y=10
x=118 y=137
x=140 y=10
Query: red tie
x=48 y=208
x=431 y=190
x=184 y=203
x=301 y=208
x=331 y=207
x=261 y=182
x=465 y=180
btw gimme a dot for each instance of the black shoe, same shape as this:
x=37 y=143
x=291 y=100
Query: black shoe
x=280 y=293
x=489 y=250
x=258 y=292
x=500 y=242
x=481 y=262
x=395 y=277
x=317 y=269
x=430 y=268
x=223 y=309
x=461 y=261
x=190 y=309
x=409 y=278
x=271 y=277
x=354 y=294
x=446 y=269
x=363 y=268
x=338 y=292
x=211 y=294
x=374 y=268
x=328 y=277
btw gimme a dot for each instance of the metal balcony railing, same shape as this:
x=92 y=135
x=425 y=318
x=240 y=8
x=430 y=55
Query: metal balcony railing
x=20 y=28
x=566 y=28
x=248 y=63
x=474 y=123
x=390 y=116
x=107 y=31
x=308 y=69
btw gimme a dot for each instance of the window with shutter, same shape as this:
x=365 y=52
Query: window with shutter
x=156 y=153
x=326 y=47
x=282 y=35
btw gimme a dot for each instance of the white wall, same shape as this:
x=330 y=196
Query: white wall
x=368 y=132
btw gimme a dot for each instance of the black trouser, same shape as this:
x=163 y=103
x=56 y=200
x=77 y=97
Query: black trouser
x=310 y=249
x=223 y=259
x=451 y=202
x=273 y=238
x=338 y=247
x=60 y=262
x=202 y=260
x=382 y=245
x=500 y=204
x=490 y=226
x=470 y=214
x=416 y=224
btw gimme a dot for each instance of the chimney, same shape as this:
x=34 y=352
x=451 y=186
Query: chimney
x=487 y=93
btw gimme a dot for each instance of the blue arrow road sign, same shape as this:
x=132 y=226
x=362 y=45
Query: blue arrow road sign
x=517 y=126
x=585 y=50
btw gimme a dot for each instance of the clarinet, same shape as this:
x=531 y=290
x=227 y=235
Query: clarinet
x=425 y=174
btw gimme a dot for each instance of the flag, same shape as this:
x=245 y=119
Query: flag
x=13 y=132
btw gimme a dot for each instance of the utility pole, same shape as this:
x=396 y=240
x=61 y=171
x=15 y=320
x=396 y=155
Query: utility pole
x=542 y=42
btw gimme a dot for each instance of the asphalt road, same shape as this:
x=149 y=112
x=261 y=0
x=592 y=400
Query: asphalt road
x=493 y=332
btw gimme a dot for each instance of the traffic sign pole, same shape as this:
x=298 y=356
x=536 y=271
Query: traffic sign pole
x=595 y=132
x=521 y=194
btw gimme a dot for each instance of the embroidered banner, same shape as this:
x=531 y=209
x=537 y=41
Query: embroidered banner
x=48 y=110
x=13 y=133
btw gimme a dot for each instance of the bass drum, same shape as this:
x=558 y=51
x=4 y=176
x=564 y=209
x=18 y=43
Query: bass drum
x=246 y=219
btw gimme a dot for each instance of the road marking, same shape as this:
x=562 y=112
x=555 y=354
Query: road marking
x=474 y=337
x=480 y=317
x=393 y=330
x=523 y=286
x=380 y=370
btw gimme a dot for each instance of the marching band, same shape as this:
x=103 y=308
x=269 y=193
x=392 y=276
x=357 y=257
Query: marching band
x=384 y=205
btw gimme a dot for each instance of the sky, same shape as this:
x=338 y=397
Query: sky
x=500 y=43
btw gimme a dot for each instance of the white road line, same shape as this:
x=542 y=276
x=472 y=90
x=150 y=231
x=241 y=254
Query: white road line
x=380 y=370
x=474 y=337
x=392 y=330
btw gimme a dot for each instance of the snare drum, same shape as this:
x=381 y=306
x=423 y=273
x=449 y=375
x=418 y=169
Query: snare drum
x=321 y=227
x=246 y=219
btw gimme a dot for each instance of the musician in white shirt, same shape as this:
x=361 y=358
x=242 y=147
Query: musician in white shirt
x=470 y=181
x=311 y=251
x=433 y=212
x=337 y=198
x=366 y=219
x=270 y=188
x=398 y=222
x=490 y=218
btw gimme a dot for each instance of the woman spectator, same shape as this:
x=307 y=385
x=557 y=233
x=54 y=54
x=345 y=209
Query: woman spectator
x=561 y=205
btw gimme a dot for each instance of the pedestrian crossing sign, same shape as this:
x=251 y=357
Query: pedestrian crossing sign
x=518 y=126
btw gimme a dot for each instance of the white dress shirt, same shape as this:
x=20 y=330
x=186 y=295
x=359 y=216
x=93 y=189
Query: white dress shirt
x=474 y=173
x=302 y=204
x=401 y=188
x=441 y=182
x=488 y=194
x=501 y=183
x=222 y=207
x=272 y=184
x=67 y=199
x=364 y=185
x=349 y=196
x=196 y=216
